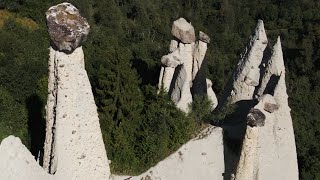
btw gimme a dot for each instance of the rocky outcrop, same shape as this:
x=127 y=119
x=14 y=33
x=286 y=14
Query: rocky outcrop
x=200 y=158
x=269 y=151
x=77 y=145
x=182 y=74
x=211 y=95
x=274 y=69
x=18 y=163
x=285 y=134
x=67 y=28
x=74 y=147
x=246 y=75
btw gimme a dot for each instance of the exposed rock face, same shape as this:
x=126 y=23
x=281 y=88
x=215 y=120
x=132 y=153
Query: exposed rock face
x=256 y=118
x=204 y=37
x=200 y=158
x=172 y=59
x=199 y=85
x=182 y=74
x=247 y=164
x=211 y=95
x=166 y=75
x=73 y=147
x=183 y=30
x=247 y=73
x=181 y=93
x=173 y=45
x=269 y=152
x=287 y=147
x=78 y=150
x=18 y=163
x=275 y=68
x=66 y=27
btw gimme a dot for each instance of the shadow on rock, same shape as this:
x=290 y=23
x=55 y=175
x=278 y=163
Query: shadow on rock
x=234 y=127
x=36 y=126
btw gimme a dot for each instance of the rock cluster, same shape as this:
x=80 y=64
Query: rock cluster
x=182 y=74
x=74 y=147
x=268 y=150
x=67 y=28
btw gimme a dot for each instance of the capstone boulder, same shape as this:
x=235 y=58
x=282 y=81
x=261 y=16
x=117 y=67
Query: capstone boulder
x=184 y=31
x=66 y=27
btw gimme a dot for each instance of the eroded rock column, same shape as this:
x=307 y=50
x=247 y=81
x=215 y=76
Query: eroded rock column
x=246 y=76
x=182 y=74
x=269 y=150
x=74 y=147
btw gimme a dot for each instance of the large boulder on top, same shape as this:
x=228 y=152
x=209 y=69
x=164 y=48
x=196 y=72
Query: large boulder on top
x=67 y=28
x=183 y=30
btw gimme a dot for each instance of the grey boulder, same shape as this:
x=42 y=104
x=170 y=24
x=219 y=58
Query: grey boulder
x=67 y=28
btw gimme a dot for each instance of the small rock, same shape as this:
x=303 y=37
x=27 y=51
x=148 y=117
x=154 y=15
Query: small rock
x=183 y=30
x=173 y=45
x=256 y=118
x=252 y=78
x=204 y=37
x=82 y=156
x=64 y=116
x=269 y=103
x=169 y=61
x=269 y=107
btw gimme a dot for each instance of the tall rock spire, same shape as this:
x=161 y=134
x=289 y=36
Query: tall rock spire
x=246 y=76
x=74 y=146
x=269 y=150
x=285 y=133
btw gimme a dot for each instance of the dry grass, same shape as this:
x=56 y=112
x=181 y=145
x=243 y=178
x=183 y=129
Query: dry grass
x=27 y=23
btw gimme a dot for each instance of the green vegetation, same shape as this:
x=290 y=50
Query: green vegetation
x=123 y=54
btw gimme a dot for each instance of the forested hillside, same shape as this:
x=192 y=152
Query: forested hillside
x=123 y=52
